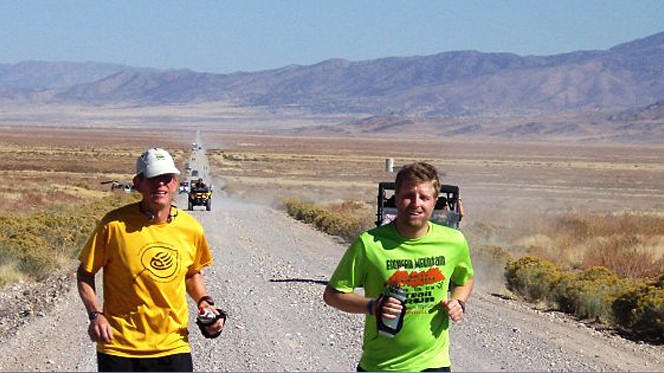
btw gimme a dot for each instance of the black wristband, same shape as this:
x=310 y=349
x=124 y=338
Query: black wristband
x=93 y=315
x=206 y=298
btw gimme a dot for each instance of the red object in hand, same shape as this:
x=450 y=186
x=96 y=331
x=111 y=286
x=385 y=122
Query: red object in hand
x=206 y=316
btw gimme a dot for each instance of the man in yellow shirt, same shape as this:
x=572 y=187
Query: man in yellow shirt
x=151 y=254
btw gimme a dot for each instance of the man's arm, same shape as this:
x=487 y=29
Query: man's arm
x=353 y=303
x=196 y=290
x=99 y=329
x=196 y=287
x=348 y=302
x=462 y=292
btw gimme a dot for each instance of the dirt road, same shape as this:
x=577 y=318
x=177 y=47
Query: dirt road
x=269 y=274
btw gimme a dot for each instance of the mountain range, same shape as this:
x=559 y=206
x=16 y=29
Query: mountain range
x=458 y=84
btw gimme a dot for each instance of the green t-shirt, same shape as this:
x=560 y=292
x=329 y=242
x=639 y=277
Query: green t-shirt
x=424 y=267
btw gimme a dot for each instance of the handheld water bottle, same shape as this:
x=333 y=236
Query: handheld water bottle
x=390 y=327
x=206 y=316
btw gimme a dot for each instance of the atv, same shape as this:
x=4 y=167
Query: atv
x=447 y=211
x=200 y=196
x=184 y=187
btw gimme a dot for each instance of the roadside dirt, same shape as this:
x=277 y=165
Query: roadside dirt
x=269 y=274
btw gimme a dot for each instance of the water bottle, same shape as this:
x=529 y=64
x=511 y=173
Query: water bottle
x=390 y=327
x=206 y=316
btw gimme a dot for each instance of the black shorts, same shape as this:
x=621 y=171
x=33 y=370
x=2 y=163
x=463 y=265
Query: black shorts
x=170 y=363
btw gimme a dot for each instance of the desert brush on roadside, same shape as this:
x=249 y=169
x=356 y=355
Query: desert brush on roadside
x=34 y=245
x=617 y=277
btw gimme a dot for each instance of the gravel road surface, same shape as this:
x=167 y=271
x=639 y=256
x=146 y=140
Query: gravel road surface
x=269 y=274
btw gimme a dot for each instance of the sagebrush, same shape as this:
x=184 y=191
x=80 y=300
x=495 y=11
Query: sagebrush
x=32 y=246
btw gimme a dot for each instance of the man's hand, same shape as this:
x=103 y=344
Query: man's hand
x=218 y=325
x=100 y=330
x=391 y=308
x=453 y=308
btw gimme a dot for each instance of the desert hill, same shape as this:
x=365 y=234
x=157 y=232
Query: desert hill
x=458 y=83
x=606 y=95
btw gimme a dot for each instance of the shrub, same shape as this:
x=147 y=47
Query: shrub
x=591 y=293
x=346 y=220
x=498 y=253
x=81 y=184
x=534 y=278
x=492 y=254
x=597 y=292
x=32 y=246
x=641 y=310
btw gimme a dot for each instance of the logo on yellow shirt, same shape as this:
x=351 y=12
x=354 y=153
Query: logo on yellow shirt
x=161 y=261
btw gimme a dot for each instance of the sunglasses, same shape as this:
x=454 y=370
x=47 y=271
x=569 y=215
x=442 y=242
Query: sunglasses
x=165 y=178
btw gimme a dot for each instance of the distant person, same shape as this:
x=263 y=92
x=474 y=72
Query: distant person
x=151 y=254
x=445 y=205
x=424 y=259
x=200 y=185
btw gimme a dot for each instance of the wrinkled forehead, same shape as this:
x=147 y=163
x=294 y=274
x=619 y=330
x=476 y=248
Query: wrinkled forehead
x=417 y=186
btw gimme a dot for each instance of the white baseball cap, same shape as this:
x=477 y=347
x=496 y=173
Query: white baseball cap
x=155 y=162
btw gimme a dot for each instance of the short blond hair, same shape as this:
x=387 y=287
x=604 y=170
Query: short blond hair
x=418 y=172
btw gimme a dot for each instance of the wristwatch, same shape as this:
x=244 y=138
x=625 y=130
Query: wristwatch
x=206 y=298
x=93 y=315
x=370 y=306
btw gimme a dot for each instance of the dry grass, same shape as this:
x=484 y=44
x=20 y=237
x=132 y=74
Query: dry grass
x=34 y=245
x=51 y=192
x=511 y=179
x=631 y=244
x=567 y=202
x=579 y=205
x=42 y=167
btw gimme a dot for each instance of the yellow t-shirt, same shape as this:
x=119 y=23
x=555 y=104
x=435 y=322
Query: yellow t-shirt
x=145 y=266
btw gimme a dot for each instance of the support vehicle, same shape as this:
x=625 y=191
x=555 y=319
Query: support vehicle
x=199 y=195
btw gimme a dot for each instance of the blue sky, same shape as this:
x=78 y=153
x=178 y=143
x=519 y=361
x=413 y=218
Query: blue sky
x=247 y=35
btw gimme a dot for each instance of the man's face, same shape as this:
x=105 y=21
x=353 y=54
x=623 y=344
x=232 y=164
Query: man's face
x=157 y=191
x=415 y=203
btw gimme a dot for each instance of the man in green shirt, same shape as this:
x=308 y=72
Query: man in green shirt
x=418 y=256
